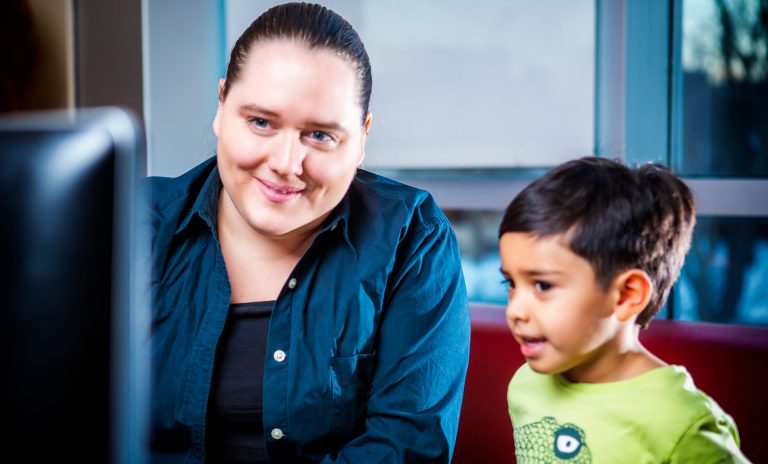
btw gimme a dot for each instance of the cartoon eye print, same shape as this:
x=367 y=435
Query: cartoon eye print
x=548 y=441
x=567 y=442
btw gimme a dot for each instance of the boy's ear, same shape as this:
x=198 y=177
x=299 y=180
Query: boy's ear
x=634 y=289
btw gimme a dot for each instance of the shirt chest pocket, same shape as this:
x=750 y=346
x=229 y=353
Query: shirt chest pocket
x=351 y=385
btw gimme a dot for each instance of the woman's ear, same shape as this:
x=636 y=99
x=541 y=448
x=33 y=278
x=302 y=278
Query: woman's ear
x=634 y=289
x=217 y=119
x=368 y=121
x=366 y=128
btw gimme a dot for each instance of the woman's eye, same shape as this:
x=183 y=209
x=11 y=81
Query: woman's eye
x=260 y=122
x=509 y=283
x=320 y=136
x=542 y=286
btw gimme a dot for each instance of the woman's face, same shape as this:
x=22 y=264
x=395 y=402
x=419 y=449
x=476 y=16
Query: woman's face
x=289 y=138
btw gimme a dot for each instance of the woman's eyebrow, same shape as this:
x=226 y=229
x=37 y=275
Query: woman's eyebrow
x=327 y=126
x=251 y=108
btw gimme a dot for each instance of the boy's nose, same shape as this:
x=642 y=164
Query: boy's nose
x=516 y=309
x=287 y=155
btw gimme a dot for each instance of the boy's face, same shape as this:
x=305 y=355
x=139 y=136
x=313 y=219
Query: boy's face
x=559 y=314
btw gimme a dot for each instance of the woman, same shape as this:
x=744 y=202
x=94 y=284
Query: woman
x=304 y=310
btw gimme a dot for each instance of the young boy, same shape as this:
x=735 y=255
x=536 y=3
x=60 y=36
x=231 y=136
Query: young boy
x=590 y=251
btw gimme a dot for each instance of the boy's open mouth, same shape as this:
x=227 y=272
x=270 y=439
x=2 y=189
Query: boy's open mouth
x=532 y=346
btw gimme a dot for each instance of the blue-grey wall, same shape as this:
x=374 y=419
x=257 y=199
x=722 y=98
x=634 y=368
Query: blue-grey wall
x=183 y=60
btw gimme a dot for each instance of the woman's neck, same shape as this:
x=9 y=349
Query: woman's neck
x=257 y=264
x=235 y=229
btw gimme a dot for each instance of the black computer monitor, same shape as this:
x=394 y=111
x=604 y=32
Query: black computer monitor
x=73 y=313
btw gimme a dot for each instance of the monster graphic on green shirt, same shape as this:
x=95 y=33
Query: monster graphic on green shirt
x=547 y=441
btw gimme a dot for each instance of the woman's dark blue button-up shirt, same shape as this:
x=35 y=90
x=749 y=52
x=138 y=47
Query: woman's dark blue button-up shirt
x=368 y=342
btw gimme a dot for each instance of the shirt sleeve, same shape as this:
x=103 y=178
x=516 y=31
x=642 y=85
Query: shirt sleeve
x=422 y=355
x=712 y=439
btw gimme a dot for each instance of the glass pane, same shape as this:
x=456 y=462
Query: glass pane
x=725 y=277
x=724 y=88
x=477 y=233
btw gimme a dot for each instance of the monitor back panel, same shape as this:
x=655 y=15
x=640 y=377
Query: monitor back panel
x=67 y=377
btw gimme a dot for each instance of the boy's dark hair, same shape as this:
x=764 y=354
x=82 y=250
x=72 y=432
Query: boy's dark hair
x=313 y=25
x=615 y=217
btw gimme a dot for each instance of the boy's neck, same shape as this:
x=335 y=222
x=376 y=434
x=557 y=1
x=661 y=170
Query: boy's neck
x=622 y=358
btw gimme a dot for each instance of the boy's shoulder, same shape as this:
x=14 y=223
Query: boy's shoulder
x=668 y=389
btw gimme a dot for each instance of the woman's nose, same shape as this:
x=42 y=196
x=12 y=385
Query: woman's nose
x=287 y=155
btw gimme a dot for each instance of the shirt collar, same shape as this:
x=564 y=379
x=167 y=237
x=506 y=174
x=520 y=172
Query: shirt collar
x=339 y=219
x=206 y=205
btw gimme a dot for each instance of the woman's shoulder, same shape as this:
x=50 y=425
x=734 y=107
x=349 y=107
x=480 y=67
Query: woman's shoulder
x=391 y=210
x=376 y=184
x=384 y=193
x=162 y=191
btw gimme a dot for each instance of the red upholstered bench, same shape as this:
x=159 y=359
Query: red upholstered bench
x=726 y=361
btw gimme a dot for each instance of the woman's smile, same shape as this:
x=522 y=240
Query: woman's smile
x=278 y=193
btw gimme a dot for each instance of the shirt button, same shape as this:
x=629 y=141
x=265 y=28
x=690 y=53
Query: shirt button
x=333 y=227
x=279 y=356
x=292 y=283
x=277 y=434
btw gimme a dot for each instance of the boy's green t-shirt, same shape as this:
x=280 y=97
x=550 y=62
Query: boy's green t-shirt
x=657 y=417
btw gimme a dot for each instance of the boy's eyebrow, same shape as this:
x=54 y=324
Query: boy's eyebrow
x=539 y=272
x=533 y=272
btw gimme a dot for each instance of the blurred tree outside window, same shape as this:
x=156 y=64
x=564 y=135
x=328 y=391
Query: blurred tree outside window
x=725 y=89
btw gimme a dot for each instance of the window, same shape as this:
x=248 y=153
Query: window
x=726 y=271
x=710 y=128
x=720 y=131
x=477 y=234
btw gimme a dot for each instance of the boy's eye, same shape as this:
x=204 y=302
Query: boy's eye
x=509 y=283
x=542 y=286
